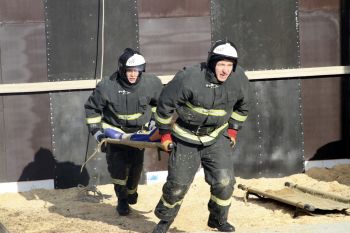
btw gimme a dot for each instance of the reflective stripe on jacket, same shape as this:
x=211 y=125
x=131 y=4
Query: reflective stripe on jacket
x=110 y=102
x=200 y=102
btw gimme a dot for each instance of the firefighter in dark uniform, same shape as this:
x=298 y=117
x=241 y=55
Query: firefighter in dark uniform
x=124 y=102
x=211 y=102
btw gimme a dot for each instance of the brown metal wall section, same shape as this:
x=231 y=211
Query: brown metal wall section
x=23 y=52
x=172 y=43
x=171 y=8
x=24 y=121
x=320 y=46
x=173 y=34
x=21 y=11
x=316 y=5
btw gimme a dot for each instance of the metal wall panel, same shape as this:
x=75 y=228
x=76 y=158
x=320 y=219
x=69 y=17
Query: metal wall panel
x=25 y=118
x=72 y=143
x=121 y=31
x=264 y=41
x=172 y=43
x=320 y=46
x=15 y=11
x=345 y=60
x=170 y=8
x=319 y=5
x=3 y=156
x=72 y=46
x=71 y=32
x=23 y=52
x=27 y=136
x=72 y=36
x=271 y=142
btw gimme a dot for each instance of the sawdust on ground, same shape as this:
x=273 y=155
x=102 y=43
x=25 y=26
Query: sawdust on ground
x=64 y=211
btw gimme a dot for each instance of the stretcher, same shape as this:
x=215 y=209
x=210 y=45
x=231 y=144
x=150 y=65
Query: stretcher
x=304 y=199
x=3 y=229
x=140 y=140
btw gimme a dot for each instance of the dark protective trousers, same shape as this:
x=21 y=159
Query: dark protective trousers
x=184 y=161
x=125 y=166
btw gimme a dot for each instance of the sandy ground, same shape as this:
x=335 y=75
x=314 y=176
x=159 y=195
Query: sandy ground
x=67 y=211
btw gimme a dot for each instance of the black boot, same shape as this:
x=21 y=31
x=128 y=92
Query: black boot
x=123 y=207
x=221 y=226
x=162 y=226
x=132 y=198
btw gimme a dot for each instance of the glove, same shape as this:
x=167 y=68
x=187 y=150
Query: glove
x=99 y=135
x=167 y=142
x=232 y=133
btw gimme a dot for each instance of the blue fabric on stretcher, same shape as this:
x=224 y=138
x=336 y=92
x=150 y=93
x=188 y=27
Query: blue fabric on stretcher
x=139 y=136
x=144 y=137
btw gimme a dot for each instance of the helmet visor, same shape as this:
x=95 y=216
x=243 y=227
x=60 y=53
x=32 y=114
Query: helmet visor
x=140 y=68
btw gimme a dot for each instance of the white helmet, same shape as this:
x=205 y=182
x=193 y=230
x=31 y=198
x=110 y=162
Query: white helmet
x=131 y=59
x=222 y=50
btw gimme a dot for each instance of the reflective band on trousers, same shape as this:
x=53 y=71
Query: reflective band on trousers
x=120 y=182
x=129 y=117
x=238 y=117
x=164 y=121
x=154 y=109
x=220 y=201
x=206 y=138
x=166 y=204
x=207 y=112
x=93 y=120
x=108 y=126
x=132 y=191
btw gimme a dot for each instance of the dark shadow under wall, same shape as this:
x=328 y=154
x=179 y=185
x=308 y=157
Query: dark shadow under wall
x=333 y=150
x=65 y=174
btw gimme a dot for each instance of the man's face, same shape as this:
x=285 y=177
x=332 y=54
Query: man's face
x=132 y=75
x=223 y=69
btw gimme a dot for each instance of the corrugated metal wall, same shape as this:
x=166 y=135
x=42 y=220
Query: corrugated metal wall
x=25 y=119
x=44 y=135
x=270 y=144
x=320 y=45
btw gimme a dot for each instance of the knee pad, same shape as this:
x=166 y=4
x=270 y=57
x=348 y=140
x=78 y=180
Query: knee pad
x=223 y=189
x=174 y=192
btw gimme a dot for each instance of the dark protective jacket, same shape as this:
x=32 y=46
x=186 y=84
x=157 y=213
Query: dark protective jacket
x=116 y=104
x=205 y=106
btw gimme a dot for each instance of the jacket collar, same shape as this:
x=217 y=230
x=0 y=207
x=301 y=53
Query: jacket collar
x=125 y=84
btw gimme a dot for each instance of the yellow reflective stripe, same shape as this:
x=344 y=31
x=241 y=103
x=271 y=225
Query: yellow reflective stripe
x=129 y=117
x=206 y=138
x=106 y=126
x=93 y=120
x=208 y=112
x=163 y=121
x=154 y=109
x=220 y=201
x=132 y=191
x=166 y=204
x=120 y=182
x=238 y=117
